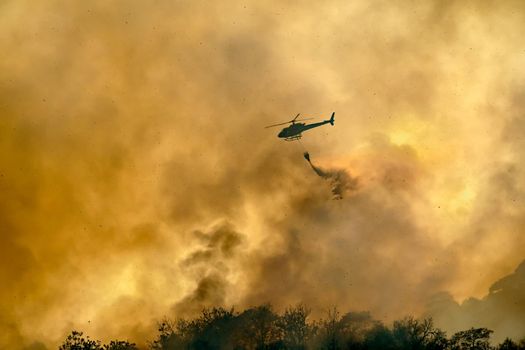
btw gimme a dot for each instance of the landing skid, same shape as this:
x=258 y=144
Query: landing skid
x=293 y=138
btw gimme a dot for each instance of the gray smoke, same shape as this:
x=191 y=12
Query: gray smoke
x=341 y=182
x=501 y=310
x=208 y=265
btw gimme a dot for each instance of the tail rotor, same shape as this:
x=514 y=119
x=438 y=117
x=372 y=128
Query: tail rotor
x=332 y=119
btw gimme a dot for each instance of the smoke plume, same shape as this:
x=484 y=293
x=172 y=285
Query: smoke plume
x=340 y=180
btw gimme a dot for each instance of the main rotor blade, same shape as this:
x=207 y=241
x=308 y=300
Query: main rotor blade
x=271 y=126
x=291 y=121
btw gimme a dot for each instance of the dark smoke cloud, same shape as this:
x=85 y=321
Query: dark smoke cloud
x=501 y=310
x=362 y=235
x=341 y=182
x=209 y=266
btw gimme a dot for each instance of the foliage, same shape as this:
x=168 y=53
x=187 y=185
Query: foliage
x=295 y=330
x=472 y=339
x=76 y=341
x=261 y=328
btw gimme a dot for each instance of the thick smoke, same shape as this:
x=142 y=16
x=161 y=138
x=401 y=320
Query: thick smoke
x=340 y=180
x=208 y=265
x=502 y=309
x=137 y=179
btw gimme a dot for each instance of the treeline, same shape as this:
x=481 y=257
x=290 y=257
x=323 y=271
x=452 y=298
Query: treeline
x=261 y=328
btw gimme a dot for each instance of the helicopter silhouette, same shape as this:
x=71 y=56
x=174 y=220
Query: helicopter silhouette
x=293 y=132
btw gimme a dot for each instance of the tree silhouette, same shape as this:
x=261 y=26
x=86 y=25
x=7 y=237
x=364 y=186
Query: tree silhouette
x=119 y=345
x=330 y=331
x=260 y=328
x=412 y=334
x=379 y=338
x=472 y=339
x=168 y=338
x=76 y=341
x=508 y=344
x=353 y=328
x=295 y=330
x=213 y=329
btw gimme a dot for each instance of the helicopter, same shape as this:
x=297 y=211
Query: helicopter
x=293 y=132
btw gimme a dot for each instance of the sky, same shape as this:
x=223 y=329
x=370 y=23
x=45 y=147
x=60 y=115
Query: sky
x=137 y=179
